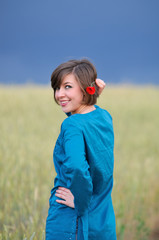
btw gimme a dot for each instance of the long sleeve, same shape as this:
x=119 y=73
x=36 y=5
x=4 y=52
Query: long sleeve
x=75 y=166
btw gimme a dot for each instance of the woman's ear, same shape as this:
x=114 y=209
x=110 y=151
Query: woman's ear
x=84 y=98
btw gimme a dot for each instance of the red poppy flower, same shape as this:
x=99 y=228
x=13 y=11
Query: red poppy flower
x=90 y=90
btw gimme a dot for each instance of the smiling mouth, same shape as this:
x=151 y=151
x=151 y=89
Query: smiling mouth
x=63 y=103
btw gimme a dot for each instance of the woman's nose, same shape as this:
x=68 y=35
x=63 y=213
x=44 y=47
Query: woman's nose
x=60 y=93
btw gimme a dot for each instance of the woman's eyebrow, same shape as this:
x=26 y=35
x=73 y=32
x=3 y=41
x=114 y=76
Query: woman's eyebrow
x=67 y=83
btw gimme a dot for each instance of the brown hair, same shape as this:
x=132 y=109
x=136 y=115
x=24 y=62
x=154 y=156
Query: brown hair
x=85 y=74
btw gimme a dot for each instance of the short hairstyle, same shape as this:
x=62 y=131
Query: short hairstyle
x=85 y=74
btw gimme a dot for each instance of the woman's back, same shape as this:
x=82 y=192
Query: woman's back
x=89 y=177
x=98 y=135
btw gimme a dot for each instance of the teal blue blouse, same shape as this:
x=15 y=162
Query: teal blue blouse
x=83 y=160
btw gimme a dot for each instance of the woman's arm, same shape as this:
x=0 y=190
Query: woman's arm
x=75 y=169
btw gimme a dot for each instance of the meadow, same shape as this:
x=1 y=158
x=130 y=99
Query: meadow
x=29 y=125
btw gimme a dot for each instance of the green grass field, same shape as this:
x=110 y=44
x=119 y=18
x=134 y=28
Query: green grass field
x=29 y=125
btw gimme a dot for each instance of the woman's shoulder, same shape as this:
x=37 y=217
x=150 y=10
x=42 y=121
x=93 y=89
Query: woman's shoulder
x=78 y=121
x=70 y=123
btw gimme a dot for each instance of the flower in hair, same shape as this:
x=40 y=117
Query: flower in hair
x=91 y=89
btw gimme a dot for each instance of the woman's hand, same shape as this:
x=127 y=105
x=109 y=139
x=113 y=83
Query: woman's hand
x=65 y=194
x=101 y=84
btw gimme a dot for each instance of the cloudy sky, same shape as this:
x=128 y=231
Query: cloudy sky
x=121 y=37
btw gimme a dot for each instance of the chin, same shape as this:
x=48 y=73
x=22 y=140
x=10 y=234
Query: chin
x=66 y=110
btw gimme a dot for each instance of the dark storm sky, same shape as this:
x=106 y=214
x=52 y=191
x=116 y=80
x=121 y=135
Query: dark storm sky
x=120 y=37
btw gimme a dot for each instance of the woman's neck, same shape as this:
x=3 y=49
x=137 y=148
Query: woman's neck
x=85 y=109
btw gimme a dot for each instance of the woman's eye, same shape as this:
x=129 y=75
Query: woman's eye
x=68 y=86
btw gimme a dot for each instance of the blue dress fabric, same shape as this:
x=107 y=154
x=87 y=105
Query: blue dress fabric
x=84 y=161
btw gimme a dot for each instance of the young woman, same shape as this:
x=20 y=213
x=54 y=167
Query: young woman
x=80 y=203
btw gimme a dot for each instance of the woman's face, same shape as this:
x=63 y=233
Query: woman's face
x=69 y=95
